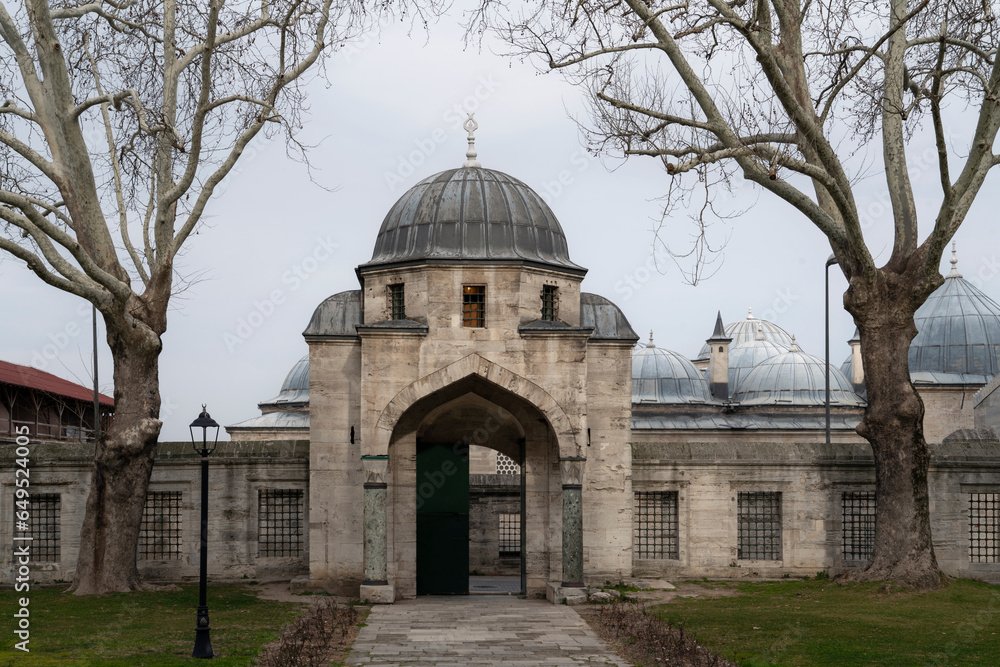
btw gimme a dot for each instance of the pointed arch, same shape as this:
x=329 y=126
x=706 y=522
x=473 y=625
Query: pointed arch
x=475 y=365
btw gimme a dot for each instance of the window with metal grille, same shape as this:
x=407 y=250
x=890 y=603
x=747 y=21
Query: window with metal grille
x=507 y=465
x=396 y=300
x=759 y=527
x=654 y=525
x=859 y=525
x=984 y=527
x=474 y=306
x=160 y=533
x=43 y=527
x=549 y=302
x=279 y=522
x=510 y=535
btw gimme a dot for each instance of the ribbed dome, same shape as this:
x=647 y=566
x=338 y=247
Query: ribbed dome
x=471 y=214
x=745 y=331
x=295 y=388
x=794 y=378
x=744 y=357
x=958 y=331
x=662 y=376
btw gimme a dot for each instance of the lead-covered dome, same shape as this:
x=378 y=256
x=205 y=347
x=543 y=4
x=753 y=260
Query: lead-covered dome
x=663 y=376
x=746 y=331
x=471 y=214
x=794 y=378
x=746 y=356
x=295 y=388
x=958 y=334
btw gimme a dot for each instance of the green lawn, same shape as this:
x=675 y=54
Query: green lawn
x=822 y=623
x=154 y=629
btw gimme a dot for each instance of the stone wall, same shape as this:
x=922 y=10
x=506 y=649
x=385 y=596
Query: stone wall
x=489 y=497
x=947 y=409
x=238 y=472
x=811 y=480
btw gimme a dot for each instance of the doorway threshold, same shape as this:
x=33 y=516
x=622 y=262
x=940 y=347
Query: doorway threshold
x=486 y=585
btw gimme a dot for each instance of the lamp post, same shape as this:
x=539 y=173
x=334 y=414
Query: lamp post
x=203 y=638
x=826 y=294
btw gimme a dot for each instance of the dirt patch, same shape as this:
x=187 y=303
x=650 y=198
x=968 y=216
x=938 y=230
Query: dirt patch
x=323 y=634
x=644 y=639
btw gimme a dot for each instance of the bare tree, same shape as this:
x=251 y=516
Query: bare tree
x=119 y=120
x=787 y=92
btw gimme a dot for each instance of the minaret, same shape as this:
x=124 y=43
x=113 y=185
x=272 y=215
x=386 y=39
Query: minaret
x=857 y=369
x=718 y=361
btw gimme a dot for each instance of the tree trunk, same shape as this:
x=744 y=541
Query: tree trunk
x=893 y=424
x=123 y=461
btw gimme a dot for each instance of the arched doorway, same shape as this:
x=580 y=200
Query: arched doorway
x=429 y=506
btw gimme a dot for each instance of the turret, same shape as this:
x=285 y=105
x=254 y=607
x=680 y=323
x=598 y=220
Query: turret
x=718 y=364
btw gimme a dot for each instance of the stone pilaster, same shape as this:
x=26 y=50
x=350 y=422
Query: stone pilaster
x=375 y=587
x=572 y=528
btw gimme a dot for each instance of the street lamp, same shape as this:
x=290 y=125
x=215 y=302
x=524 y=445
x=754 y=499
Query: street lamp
x=203 y=638
x=826 y=293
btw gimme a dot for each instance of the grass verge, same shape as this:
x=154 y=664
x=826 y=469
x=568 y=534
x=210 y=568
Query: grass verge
x=825 y=623
x=150 y=628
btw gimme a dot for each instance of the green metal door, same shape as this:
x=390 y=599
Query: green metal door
x=442 y=519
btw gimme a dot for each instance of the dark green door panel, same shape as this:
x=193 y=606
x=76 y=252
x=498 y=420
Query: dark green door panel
x=442 y=519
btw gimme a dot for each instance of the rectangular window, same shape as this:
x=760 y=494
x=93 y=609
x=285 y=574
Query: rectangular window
x=859 y=525
x=549 y=303
x=396 y=301
x=510 y=535
x=279 y=522
x=474 y=306
x=43 y=527
x=654 y=525
x=759 y=527
x=984 y=527
x=160 y=533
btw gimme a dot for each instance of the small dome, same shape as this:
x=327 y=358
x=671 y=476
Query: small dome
x=662 y=376
x=337 y=316
x=794 y=378
x=745 y=331
x=744 y=357
x=958 y=332
x=607 y=319
x=295 y=388
x=471 y=214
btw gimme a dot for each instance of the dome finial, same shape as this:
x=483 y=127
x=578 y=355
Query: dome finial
x=471 y=126
x=795 y=346
x=954 y=263
x=750 y=313
x=651 y=344
x=760 y=332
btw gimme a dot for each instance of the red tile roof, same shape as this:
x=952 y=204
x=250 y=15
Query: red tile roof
x=25 y=376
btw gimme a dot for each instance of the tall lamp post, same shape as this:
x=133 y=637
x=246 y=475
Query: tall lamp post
x=203 y=638
x=826 y=293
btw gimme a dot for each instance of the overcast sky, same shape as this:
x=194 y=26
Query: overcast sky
x=277 y=244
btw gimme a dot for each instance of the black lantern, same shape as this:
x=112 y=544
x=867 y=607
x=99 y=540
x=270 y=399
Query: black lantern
x=203 y=638
x=204 y=422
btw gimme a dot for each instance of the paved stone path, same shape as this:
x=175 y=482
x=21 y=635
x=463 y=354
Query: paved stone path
x=478 y=630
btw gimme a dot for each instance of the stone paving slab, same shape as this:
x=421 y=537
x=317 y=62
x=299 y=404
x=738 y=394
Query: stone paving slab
x=478 y=630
